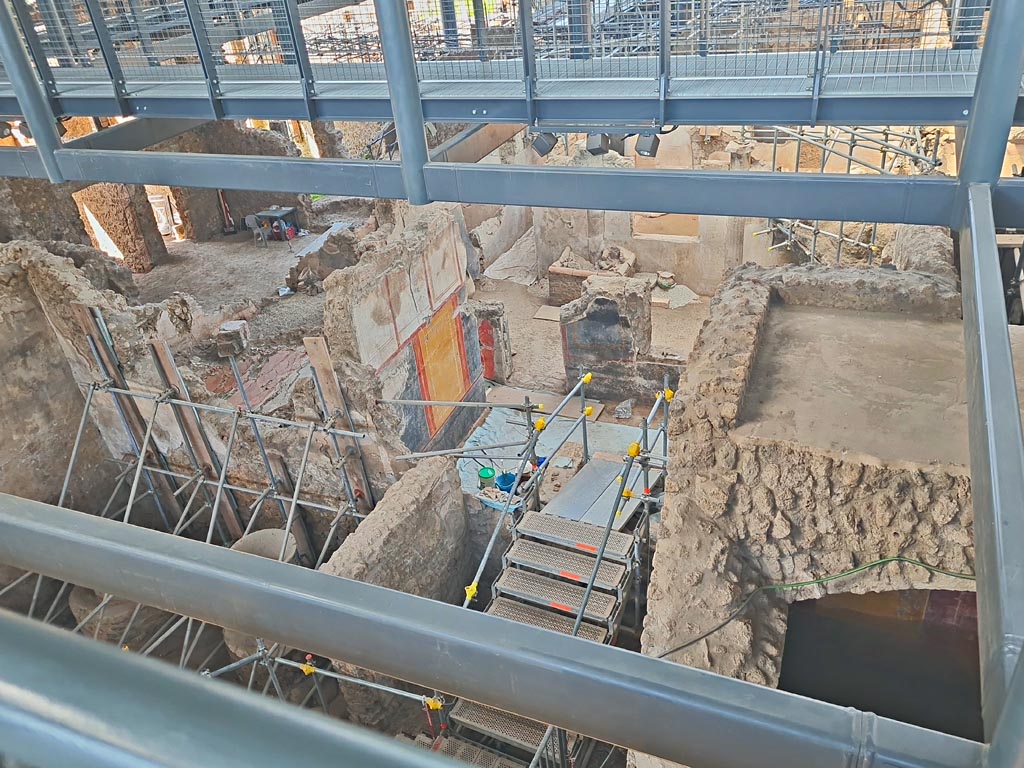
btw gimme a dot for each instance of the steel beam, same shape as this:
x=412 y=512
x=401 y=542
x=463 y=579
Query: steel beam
x=66 y=700
x=32 y=98
x=1007 y=747
x=282 y=174
x=404 y=91
x=997 y=456
x=135 y=134
x=918 y=199
x=671 y=711
x=22 y=164
x=995 y=95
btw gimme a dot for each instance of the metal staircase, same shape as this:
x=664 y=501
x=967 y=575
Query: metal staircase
x=543 y=581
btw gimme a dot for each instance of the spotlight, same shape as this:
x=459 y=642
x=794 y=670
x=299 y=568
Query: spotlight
x=597 y=143
x=617 y=143
x=543 y=143
x=5 y=129
x=647 y=146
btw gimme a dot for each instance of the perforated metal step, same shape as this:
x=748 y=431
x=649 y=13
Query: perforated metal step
x=512 y=729
x=575 y=535
x=467 y=752
x=568 y=564
x=513 y=610
x=551 y=593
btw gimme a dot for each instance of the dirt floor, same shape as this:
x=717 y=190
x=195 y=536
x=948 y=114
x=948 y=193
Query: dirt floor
x=226 y=271
x=232 y=271
x=879 y=384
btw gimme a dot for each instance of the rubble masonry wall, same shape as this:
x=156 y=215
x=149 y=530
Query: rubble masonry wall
x=743 y=511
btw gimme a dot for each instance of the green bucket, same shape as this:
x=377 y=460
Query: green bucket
x=486 y=475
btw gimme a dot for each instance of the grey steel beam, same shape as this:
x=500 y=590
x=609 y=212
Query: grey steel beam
x=918 y=200
x=672 y=711
x=109 y=52
x=31 y=96
x=21 y=164
x=69 y=701
x=282 y=174
x=1007 y=747
x=997 y=456
x=404 y=90
x=969 y=24
x=135 y=134
x=995 y=95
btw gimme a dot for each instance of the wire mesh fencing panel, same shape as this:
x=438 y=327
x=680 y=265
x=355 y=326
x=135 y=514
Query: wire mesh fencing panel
x=153 y=41
x=467 y=39
x=876 y=45
x=344 y=43
x=596 y=39
x=251 y=40
x=67 y=39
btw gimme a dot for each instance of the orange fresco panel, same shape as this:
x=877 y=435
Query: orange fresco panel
x=443 y=372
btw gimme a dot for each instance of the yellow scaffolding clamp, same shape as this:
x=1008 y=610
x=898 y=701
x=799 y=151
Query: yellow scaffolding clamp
x=471 y=590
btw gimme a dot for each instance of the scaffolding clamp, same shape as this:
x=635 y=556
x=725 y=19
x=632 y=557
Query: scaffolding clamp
x=433 y=703
x=540 y=423
x=669 y=394
x=588 y=377
x=633 y=450
x=307 y=668
x=588 y=411
x=471 y=590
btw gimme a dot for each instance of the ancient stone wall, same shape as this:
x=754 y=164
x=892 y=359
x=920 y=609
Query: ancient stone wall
x=35 y=209
x=414 y=541
x=396 y=312
x=125 y=215
x=742 y=511
x=200 y=209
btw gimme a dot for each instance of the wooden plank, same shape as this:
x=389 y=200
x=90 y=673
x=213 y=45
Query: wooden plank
x=134 y=422
x=195 y=435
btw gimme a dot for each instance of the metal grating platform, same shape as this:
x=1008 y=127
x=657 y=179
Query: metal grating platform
x=570 y=533
x=522 y=613
x=513 y=729
x=559 y=595
x=467 y=752
x=568 y=564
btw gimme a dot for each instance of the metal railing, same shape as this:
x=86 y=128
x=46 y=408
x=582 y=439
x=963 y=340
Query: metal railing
x=290 y=45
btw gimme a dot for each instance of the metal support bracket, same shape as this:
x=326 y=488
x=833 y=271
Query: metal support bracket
x=291 y=9
x=206 y=59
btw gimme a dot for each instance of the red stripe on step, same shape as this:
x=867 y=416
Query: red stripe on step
x=560 y=607
x=586 y=547
x=570 y=575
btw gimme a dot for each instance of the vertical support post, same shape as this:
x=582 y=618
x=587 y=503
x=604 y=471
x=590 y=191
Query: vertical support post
x=529 y=59
x=450 y=25
x=664 y=56
x=578 y=30
x=480 y=27
x=995 y=97
x=206 y=58
x=968 y=23
x=109 y=52
x=1007 y=747
x=997 y=456
x=404 y=91
x=291 y=9
x=583 y=413
x=31 y=96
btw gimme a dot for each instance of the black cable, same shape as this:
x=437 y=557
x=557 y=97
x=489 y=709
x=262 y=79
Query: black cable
x=813 y=582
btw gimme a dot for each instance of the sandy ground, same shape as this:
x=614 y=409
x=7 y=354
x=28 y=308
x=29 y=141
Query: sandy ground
x=229 y=270
x=881 y=384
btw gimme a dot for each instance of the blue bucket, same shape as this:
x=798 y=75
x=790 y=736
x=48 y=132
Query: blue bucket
x=504 y=481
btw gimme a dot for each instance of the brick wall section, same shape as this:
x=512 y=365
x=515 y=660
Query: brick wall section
x=744 y=511
x=414 y=541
